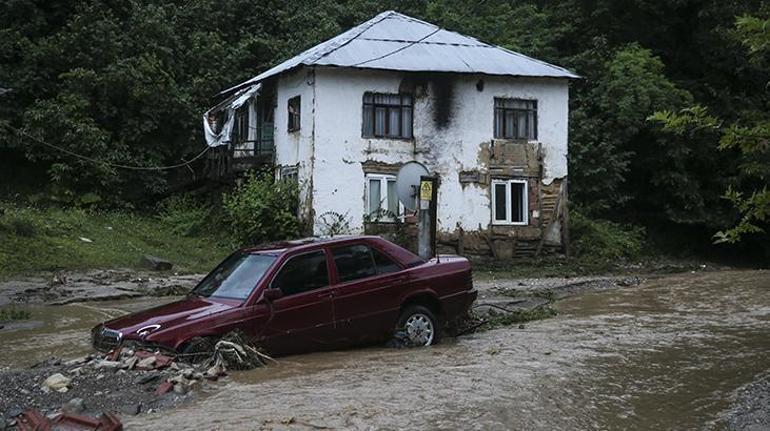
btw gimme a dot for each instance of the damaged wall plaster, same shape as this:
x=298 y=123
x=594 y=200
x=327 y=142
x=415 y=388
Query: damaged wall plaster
x=336 y=166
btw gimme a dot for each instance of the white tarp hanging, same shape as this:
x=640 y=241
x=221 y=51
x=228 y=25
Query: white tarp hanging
x=228 y=107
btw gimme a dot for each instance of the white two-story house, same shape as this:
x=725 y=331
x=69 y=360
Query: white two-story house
x=345 y=115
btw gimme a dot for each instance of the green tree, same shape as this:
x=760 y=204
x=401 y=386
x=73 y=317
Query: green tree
x=748 y=135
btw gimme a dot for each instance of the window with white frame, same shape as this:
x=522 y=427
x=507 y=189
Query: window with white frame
x=510 y=202
x=381 y=198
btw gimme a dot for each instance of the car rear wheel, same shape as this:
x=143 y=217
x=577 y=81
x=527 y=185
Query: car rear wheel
x=419 y=325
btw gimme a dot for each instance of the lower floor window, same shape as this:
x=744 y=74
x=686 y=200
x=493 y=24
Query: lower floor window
x=510 y=202
x=381 y=197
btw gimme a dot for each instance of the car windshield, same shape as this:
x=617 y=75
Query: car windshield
x=236 y=277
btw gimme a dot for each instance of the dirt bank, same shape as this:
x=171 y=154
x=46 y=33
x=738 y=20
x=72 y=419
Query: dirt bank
x=66 y=287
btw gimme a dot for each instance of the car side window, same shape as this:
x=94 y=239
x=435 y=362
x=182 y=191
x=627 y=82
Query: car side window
x=302 y=273
x=353 y=262
x=383 y=263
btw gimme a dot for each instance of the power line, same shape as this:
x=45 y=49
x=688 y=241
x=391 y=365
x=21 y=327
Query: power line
x=102 y=162
x=410 y=44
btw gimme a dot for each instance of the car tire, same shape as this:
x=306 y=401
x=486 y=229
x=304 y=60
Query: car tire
x=419 y=326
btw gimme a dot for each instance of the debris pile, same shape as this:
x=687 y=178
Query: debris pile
x=126 y=380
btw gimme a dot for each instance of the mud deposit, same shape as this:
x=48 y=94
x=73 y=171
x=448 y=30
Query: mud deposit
x=674 y=353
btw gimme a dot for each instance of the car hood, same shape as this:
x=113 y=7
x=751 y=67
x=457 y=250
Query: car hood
x=169 y=315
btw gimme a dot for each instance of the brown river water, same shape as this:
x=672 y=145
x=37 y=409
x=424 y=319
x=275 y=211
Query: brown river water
x=668 y=354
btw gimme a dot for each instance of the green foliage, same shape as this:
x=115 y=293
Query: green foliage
x=262 y=209
x=601 y=241
x=185 y=216
x=333 y=224
x=749 y=137
x=754 y=33
x=126 y=82
x=609 y=128
x=33 y=239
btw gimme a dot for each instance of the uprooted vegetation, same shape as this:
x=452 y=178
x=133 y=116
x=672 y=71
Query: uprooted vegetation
x=11 y=313
x=494 y=319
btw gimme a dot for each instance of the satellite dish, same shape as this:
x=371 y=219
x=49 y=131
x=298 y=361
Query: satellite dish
x=408 y=183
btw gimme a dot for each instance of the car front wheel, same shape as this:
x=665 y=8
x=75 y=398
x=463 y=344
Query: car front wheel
x=419 y=325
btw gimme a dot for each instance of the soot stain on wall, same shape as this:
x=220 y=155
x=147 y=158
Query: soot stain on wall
x=441 y=89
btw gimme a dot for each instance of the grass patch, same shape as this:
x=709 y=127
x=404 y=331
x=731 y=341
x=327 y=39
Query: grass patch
x=13 y=313
x=33 y=239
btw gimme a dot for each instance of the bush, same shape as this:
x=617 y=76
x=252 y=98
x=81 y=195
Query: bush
x=184 y=215
x=602 y=241
x=262 y=209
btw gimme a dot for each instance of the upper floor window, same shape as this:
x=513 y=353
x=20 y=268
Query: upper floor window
x=510 y=202
x=515 y=119
x=241 y=130
x=387 y=115
x=294 y=104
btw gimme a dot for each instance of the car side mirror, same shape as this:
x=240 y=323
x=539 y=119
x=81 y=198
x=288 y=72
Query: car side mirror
x=272 y=294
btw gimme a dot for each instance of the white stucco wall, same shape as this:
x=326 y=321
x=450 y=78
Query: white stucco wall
x=296 y=148
x=335 y=150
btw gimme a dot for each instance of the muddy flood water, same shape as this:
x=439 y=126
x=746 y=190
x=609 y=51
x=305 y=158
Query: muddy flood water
x=669 y=354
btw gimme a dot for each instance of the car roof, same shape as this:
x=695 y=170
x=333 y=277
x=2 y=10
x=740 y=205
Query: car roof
x=280 y=247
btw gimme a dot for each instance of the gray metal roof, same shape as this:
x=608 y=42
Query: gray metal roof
x=393 y=41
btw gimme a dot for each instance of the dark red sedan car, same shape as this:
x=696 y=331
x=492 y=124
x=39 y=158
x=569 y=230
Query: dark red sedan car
x=309 y=295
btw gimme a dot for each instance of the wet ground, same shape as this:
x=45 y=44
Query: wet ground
x=671 y=354
x=689 y=351
x=61 y=331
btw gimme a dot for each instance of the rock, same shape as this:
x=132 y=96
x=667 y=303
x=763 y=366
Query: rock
x=147 y=378
x=133 y=409
x=180 y=389
x=104 y=363
x=146 y=363
x=131 y=362
x=155 y=263
x=76 y=361
x=57 y=382
x=164 y=388
x=73 y=406
x=177 y=380
x=76 y=371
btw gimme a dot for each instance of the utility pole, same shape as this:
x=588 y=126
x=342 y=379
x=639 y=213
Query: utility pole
x=426 y=229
